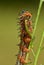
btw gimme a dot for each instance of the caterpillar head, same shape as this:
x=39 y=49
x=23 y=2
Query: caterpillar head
x=25 y=15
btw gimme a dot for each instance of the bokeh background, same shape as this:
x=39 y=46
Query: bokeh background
x=9 y=33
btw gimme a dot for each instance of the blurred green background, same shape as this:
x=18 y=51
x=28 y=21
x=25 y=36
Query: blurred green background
x=9 y=12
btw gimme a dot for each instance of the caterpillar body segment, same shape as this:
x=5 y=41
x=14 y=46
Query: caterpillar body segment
x=24 y=37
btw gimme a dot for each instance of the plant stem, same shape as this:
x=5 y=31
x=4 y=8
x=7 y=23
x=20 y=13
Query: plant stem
x=27 y=28
x=36 y=21
x=33 y=52
x=38 y=51
x=40 y=5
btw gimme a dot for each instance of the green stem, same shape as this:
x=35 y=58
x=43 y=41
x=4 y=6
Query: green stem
x=38 y=51
x=33 y=52
x=39 y=9
x=40 y=5
x=27 y=28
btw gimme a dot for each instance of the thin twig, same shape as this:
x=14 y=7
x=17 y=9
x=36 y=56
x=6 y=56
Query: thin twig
x=39 y=49
x=33 y=52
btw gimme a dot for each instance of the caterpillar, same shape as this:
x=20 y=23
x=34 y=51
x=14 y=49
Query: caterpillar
x=25 y=38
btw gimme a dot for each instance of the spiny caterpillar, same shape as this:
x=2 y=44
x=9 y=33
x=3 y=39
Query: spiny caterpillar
x=25 y=38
